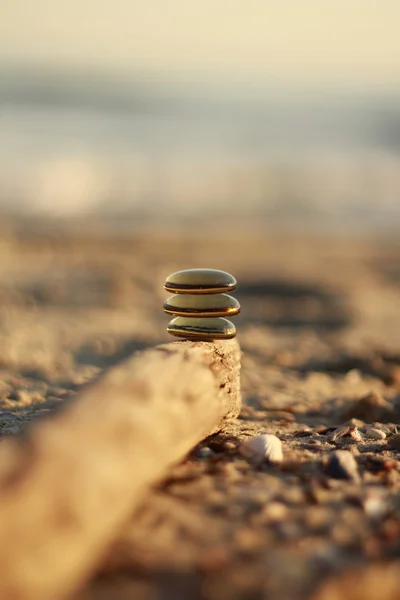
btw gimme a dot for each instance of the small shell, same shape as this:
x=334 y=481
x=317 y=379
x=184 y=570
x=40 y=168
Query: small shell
x=344 y=431
x=263 y=447
x=355 y=434
x=340 y=432
x=376 y=434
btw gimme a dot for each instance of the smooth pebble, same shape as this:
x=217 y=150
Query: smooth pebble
x=215 y=328
x=376 y=434
x=341 y=464
x=200 y=281
x=394 y=441
x=202 y=305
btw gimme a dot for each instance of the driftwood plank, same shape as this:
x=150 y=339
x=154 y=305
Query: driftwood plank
x=68 y=483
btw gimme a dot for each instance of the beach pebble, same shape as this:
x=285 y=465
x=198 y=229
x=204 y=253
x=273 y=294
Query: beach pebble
x=353 y=376
x=216 y=328
x=341 y=464
x=375 y=503
x=200 y=281
x=376 y=434
x=274 y=512
x=202 y=305
x=266 y=447
x=394 y=441
x=204 y=452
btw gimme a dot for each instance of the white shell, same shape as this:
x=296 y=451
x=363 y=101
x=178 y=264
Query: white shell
x=263 y=447
x=376 y=434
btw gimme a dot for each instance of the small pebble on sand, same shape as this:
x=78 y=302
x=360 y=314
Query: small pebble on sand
x=341 y=464
x=376 y=434
x=394 y=441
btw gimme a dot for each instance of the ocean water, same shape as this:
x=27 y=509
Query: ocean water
x=72 y=147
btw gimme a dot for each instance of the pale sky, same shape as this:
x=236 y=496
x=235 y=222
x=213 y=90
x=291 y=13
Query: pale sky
x=289 y=40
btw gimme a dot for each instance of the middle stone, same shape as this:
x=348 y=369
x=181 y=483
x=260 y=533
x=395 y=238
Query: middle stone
x=197 y=305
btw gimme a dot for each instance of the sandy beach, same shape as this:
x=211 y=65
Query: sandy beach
x=320 y=335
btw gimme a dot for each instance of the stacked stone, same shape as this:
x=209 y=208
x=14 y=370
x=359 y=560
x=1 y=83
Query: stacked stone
x=200 y=304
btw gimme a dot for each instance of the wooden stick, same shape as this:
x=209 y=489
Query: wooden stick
x=68 y=484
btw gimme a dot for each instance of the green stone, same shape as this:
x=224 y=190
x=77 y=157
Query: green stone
x=200 y=281
x=214 y=328
x=202 y=305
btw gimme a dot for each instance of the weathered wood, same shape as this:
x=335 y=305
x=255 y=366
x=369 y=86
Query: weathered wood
x=67 y=485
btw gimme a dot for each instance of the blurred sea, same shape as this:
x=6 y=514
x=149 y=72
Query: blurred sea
x=144 y=152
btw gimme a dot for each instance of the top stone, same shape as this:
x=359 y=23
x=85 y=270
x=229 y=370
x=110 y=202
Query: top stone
x=200 y=281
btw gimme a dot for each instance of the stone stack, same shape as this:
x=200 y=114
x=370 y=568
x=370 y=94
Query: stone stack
x=200 y=304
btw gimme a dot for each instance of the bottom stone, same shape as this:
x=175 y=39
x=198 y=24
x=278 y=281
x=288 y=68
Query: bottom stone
x=216 y=328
